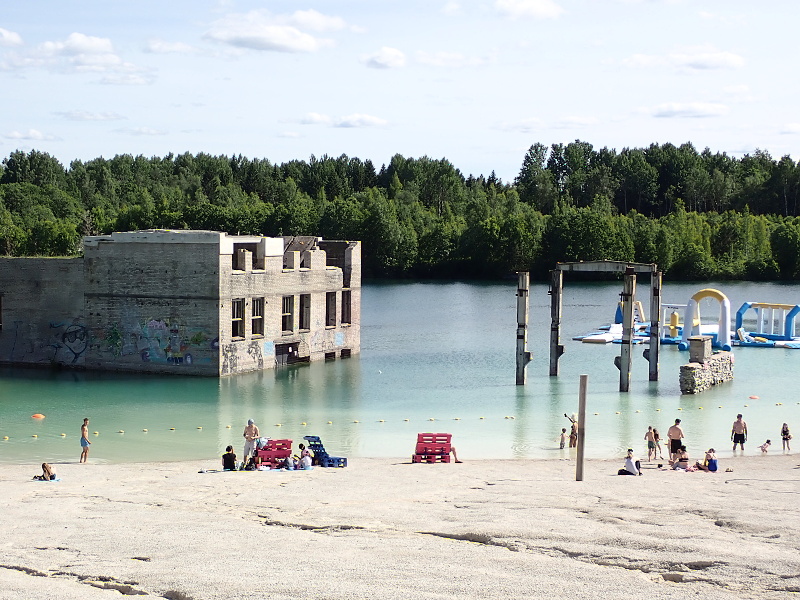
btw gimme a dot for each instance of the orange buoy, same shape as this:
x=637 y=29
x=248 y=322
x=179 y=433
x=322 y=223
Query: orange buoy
x=753 y=397
x=37 y=416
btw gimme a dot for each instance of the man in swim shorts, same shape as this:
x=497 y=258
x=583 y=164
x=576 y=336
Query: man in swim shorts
x=251 y=434
x=739 y=432
x=85 y=443
x=675 y=435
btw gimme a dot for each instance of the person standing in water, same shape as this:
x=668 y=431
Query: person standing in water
x=85 y=443
x=651 y=443
x=739 y=432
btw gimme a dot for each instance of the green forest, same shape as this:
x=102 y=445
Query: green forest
x=699 y=215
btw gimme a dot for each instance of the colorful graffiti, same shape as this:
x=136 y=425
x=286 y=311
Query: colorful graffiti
x=156 y=341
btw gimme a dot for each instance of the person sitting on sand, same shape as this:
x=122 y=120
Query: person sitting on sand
x=681 y=461
x=229 y=460
x=709 y=462
x=765 y=446
x=303 y=463
x=48 y=473
x=632 y=466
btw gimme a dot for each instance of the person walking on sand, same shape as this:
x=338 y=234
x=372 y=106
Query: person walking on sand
x=739 y=432
x=85 y=443
x=251 y=434
x=651 y=443
x=675 y=435
x=785 y=437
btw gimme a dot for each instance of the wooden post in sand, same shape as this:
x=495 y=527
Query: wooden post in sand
x=581 y=426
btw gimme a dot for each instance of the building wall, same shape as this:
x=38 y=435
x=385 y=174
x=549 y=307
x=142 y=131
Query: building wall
x=42 y=312
x=161 y=301
x=272 y=283
x=151 y=302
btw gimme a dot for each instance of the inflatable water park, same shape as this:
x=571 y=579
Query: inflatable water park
x=757 y=324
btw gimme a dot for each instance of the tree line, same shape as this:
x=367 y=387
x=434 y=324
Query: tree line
x=698 y=215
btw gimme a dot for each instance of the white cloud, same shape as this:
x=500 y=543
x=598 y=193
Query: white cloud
x=141 y=131
x=791 y=129
x=9 y=38
x=289 y=134
x=32 y=135
x=82 y=115
x=259 y=30
x=451 y=8
x=359 y=120
x=157 y=46
x=688 y=110
x=315 y=119
x=316 y=21
x=699 y=58
x=539 y=9
x=450 y=60
x=385 y=58
x=78 y=53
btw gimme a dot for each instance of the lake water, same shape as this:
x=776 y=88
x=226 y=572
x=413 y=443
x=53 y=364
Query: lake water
x=435 y=357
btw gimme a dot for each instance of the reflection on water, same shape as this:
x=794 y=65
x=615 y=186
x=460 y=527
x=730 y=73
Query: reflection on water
x=435 y=357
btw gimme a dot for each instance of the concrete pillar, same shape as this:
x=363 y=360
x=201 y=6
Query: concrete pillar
x=655 y=325
x=523 y=356
x=581 y=426
x=556 y=293
x=626 y=352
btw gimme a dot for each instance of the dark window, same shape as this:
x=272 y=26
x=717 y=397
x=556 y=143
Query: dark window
x=257 y=322
x=287 y=314
x=330 y=309
x=305 y=311
x=237 y=318
x=346 y=307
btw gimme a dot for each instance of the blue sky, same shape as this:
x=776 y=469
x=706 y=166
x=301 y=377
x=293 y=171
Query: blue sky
x=476 y=82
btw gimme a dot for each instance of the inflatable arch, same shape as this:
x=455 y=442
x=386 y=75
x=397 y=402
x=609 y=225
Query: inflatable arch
x=691 y=319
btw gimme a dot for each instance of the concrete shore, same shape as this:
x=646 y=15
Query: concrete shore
x=384 y=528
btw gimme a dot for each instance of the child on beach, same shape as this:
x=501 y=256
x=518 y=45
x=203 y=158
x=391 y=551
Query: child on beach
x=562 y=439
x=657 y=440
x=765 y=446
x=785 y=437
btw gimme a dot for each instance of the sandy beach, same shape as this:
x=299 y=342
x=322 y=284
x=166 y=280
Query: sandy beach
x=391 y=529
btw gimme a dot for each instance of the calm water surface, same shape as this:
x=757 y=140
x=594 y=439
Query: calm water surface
x=435 y=357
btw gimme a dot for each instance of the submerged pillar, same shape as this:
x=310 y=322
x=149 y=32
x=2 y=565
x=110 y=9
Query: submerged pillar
x=628 y=297
x=523 y=356
x=556 y=292
x=655 y=325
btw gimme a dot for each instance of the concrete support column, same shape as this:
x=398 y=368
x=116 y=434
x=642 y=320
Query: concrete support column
x=523 y=356
x=556 y=294
x=655 y=325
x=628 y=297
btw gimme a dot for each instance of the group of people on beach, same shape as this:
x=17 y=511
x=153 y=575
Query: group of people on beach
x=251 y=437
x=679 y=456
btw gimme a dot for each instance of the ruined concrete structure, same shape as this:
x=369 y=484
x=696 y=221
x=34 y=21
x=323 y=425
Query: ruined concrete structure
x=188 y=302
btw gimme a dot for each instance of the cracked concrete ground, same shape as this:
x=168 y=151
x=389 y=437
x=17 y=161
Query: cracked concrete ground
x=387 y=528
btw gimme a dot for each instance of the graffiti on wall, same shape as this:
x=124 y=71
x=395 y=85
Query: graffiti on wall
x=157 y=341
x=254 y=350
x=230 y=359
x=68 y=340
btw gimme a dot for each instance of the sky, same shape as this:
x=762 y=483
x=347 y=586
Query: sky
x=475 y=82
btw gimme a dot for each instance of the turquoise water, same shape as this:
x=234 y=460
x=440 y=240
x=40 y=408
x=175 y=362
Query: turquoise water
x=441 y=351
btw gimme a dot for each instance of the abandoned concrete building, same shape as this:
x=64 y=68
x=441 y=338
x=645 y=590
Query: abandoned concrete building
x=188 y=302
